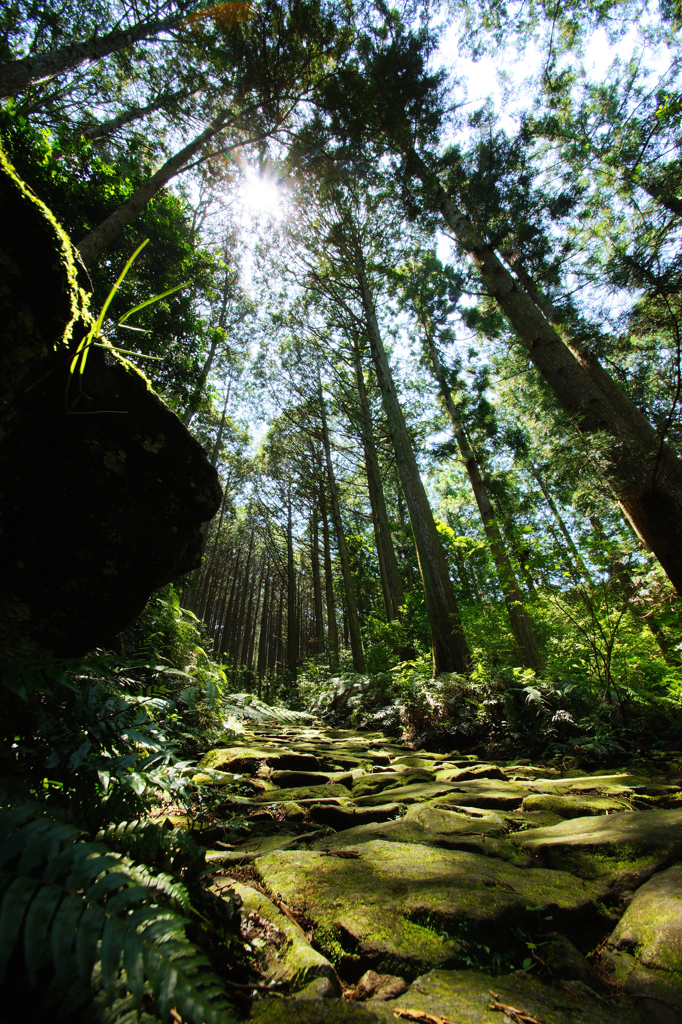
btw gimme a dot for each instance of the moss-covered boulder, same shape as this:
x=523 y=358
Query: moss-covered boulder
x=314 y=1011
x=340 y=818
x=409 y=793
x=489 y=793
x=623 y=849
x=247 y=760
x=102 y=489
x=470 y=773
x=644 y=953
x=472 y=997
x=307 y=794
x=284 y=953
x=399 y=908
x=568 y=806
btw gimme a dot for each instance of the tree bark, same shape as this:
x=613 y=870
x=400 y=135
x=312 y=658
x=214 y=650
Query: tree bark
x=572 y=547
x=449 y=646
x=17 y=75
x=195 y=397
x=317 y=584
x=643 y=473
x=94 y=244
x=520 y=623
x=292 y=635
x=391 y=584
x=353 y=619
x=114 y=124
x=332 y=625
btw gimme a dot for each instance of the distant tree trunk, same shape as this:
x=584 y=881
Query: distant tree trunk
x=228 y=621
x=351 y=601
x=17 y=75
x=332 y=626
x=572 y=547
x=520 y=623
x=644 y=474
x=407 y=556
x=253 y=629
x=292 y=636
x=317 y=583
x=94 y=244
x=264 y=631
x=221 y=428
x=391 y=584
x=450 y=649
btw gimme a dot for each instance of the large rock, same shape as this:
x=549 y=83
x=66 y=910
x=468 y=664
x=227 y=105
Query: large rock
x=621 y=849
x=285 y=954
x=102 y=489
x=644 y=954
x=472 y=997
x=401 y=908
x=247 y=760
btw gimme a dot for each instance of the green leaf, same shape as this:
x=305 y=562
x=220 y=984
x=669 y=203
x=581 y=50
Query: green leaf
x=14 y=905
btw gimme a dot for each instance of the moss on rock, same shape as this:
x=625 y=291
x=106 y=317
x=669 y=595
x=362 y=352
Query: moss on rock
x=623 y=850
x=398 y=907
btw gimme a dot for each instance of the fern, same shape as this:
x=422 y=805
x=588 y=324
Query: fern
x=74 y=904
x=249 y=708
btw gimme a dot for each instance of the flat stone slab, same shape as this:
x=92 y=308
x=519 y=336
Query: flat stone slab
x=490 y=793
x=569 y=806
x=471 y=773
x=314 y=1011
x=408 y=794
x=341 y=818
x=247 y=760
x=472 y=997
x=398 y=908
x=623 y=849
x=301 y=793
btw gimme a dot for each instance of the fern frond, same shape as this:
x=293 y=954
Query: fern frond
x=74 y=904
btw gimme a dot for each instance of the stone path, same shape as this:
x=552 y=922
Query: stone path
x=380 y=884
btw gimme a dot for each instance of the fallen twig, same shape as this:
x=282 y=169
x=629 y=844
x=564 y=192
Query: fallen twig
x=518 y=1016
x=422 y=1017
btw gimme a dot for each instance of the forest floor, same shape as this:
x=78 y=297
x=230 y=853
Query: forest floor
x=381 y=883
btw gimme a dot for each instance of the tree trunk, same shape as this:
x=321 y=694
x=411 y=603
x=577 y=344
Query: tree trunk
x=292 y=636
x=520 y=623
x=227 y=626
x=391 y=584
x=353 y=619
x=645 y=476
x=17 y=75
x=94 y=244
x=195 y=397
x=332 y=626
x=317 y=583
x=114 y=124
x=450 y=649
x=261 y=664
x=572 y=547
x=406 y=550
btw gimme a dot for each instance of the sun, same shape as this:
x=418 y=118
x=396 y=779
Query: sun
x=260 y=193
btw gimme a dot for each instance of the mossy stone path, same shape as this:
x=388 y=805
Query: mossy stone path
x=379 y=883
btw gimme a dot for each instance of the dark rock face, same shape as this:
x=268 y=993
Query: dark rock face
x=102 y=489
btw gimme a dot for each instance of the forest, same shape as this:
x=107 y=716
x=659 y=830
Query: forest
x=341 y=511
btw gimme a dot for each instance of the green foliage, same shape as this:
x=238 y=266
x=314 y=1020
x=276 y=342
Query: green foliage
x=71 y=904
